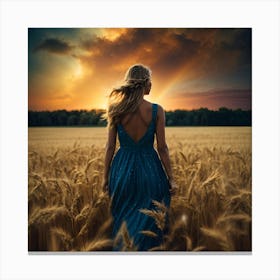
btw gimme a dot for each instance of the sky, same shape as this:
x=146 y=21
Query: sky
x=192 y=68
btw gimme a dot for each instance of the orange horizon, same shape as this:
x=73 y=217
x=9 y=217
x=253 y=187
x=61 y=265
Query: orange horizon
x=191 y=67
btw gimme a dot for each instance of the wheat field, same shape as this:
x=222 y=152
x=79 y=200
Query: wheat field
x=68 y=211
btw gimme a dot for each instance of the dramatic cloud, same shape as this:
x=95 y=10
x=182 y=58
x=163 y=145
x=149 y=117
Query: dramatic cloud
x=232 y=98
x=54 y=45
x=189 y=65
x=161 y=49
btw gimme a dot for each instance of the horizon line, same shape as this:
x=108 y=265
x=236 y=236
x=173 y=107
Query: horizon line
x=101 y=109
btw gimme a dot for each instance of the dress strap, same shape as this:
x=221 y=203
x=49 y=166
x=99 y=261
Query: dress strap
x=154 y=111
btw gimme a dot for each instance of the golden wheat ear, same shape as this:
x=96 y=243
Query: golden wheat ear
x=149 y=233
x=212 y=166
x=124 y=240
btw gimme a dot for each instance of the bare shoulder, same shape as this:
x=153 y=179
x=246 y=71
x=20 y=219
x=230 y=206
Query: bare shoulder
x=147 y=103
x=146 y=107
x=160 y=110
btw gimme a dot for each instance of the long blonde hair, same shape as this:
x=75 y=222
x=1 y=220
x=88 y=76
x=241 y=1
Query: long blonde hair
x=126 y=98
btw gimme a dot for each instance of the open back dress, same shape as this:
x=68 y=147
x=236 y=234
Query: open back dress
x=137 y=178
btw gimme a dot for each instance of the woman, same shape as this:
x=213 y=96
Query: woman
x=136 y=176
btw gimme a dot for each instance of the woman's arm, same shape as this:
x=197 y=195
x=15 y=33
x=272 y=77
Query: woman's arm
x=161 y=143
x=109 y=152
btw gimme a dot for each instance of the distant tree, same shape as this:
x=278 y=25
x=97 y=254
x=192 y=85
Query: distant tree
x=72 y=120
x=62 y=117
x=84 y=118
x=199 y=117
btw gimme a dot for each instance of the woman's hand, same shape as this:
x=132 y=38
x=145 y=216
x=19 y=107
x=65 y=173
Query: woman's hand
x=173 y=188
x=105 y=185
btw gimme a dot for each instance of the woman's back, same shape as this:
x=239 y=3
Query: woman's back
x=136 y=124
x=136 y=178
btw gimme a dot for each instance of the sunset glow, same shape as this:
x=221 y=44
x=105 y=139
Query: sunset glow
x=76 y=68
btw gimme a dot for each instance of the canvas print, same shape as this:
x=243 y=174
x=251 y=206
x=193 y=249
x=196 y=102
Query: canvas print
x=140 y=139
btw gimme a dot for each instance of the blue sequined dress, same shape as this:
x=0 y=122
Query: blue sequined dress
x=137 y=178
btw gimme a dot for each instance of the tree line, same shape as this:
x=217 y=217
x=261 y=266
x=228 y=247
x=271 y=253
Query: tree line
x=198 y=117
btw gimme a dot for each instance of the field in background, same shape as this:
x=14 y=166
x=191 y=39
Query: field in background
x=68 y=211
